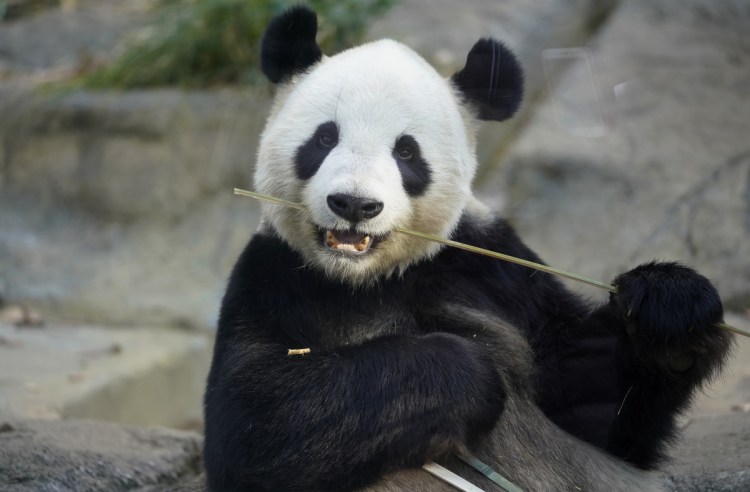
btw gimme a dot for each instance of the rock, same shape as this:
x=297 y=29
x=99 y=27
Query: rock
x=83 y=456
x=119 y=207
x=657 y=164
x=17 y=315
x=713 y=456
x=132 y=155
x=135 y=375
x=50 y=43
x=730 y=392
x=116 y=206
x=444 y=32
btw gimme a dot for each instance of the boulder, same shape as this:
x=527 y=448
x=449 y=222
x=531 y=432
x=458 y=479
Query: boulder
x=118 y=207
x=640 y=151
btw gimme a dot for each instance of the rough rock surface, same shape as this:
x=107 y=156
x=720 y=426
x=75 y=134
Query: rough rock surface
x=88 y=456
x=714 y=455
x=83 y=456
x=668 y=175
x=139 y=375
x=444 y=32
x=117 y=207
x=64 y=39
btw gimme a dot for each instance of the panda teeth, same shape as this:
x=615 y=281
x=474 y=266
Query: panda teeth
x=348 y=242
x=363 y=244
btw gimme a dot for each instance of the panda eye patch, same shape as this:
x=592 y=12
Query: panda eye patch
x=406 y=148
x=327 y=135
x=416 y=175
x=311 y=154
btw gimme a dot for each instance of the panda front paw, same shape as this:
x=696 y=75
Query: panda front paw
x=669 y=310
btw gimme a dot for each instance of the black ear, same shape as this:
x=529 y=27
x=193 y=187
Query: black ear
x=491 y=80
x=289 y=46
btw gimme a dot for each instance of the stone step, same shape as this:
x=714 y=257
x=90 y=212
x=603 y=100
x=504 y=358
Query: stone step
x=133 y=375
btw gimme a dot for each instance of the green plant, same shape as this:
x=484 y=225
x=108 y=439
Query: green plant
x=200 y=43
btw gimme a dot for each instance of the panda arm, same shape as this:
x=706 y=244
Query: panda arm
x=329 y=421
x=615 y=379
x=335 y=418
x=667 y=349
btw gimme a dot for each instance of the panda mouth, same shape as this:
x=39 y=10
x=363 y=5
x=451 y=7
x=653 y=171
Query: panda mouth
x=348 y=242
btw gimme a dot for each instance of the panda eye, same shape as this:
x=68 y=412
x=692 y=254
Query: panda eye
x=326 y=140
x=405 y=152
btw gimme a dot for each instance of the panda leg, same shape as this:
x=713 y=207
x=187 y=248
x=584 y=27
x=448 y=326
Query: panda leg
x=532 y=452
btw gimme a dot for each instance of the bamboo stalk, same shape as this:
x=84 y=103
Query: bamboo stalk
x=475 y=249
x=449 y=477
x=502 y=256
x=301 y=351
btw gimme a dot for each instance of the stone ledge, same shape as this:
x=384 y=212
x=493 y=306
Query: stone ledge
x=141 y=376
x=82 y=456
x=713 y=456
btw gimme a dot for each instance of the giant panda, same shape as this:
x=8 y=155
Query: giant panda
x=420 y=352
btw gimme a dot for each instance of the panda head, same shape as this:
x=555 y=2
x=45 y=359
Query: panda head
x=370 y=140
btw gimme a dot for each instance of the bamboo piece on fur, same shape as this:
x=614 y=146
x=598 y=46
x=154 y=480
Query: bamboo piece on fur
x=449 y=477
x=475 y=249
x=301 y=351
x=488 y=472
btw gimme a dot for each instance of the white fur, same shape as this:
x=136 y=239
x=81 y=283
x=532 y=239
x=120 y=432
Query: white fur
x=375 y=93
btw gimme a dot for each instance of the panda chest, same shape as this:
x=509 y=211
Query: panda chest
x=355 y=320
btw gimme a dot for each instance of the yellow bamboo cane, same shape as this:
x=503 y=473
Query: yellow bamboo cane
x=475 y=249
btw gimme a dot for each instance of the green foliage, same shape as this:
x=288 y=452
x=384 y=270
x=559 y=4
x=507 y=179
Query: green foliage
x=200 y=43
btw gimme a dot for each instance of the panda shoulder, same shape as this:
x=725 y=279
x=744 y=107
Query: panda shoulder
x=480 y=226
x=266 y=257
x=478 y=212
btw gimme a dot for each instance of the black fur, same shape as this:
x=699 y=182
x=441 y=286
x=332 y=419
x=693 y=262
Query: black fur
x=415 y=171
x=457 y=352
x=491 y=80
x=312 y=153
x=392 y=380
x=379 y=391
x=288 y=46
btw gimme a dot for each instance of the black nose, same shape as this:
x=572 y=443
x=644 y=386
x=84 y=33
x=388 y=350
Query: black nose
x=352 y=208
